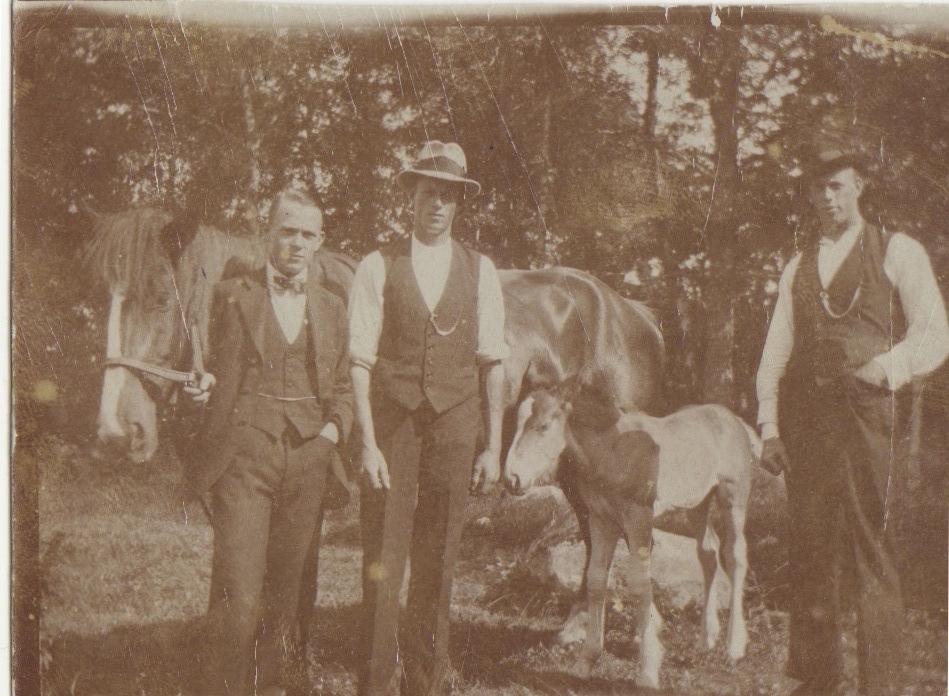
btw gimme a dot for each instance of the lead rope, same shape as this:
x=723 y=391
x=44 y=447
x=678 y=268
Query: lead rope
x=197 y=356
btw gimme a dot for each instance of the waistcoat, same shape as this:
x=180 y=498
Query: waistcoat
x=866 y=321
x=288 y=371
x=427 y=355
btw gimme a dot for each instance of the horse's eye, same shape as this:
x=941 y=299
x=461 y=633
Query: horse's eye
x=545 y=427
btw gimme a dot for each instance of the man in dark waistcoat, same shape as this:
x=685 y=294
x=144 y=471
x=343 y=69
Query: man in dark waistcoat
x=427 y=337
x=281 y=402
x=858 y=316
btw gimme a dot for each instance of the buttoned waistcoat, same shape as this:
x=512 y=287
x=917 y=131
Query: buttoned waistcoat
x=240 y=318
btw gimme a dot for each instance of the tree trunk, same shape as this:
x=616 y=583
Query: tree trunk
x=649 y=113
x=547 y=175
x=253 y=139
x=718 y=374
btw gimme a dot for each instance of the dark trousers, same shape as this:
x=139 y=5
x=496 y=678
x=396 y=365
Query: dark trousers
x=841 y=444
x=430 y=458
x=265 y=511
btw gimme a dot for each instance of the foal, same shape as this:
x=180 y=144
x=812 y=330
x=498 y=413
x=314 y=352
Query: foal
x=632 y=472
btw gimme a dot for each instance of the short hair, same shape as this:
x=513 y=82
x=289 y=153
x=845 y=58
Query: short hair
x=292 y=195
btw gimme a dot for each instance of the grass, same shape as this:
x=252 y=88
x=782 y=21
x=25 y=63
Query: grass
x=125 y=575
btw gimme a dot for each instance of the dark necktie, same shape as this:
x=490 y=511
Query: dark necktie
x=282 y=283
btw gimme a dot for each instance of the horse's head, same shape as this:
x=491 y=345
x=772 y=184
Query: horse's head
x=136 y=253
x=161 y=272
x=547 y=420
x=540 y=439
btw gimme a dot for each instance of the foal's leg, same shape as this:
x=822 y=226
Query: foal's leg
x=638 y=529
x=603 y=536
x=575 y=627
x=707 y=550
x=735 y=559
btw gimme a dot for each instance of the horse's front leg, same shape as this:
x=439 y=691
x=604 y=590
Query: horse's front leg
x=603 y=537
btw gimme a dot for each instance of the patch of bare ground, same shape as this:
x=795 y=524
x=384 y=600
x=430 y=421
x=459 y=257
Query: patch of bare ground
x=125 y=576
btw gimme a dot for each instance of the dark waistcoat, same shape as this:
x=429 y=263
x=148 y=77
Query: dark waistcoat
x=428 y=355
x=858 y=327
x=287 y=372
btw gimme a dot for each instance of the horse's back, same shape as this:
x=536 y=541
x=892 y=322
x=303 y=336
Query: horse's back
x=565 y=323
x=700 y=447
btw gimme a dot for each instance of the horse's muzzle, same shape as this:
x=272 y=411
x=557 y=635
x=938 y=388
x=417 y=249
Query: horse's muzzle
x=129 y=441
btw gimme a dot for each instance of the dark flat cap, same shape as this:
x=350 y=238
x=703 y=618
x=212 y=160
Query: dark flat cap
x=824 y=159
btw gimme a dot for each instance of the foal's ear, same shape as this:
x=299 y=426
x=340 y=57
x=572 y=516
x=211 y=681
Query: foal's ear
x=595 y=407
x=567 y=390
x=177 y=235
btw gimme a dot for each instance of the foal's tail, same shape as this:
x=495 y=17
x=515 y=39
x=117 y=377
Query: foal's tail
x=754 y=441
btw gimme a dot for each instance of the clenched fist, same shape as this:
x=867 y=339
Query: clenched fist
x=774 y=458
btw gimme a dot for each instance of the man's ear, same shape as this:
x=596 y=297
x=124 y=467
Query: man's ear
x=859 y=182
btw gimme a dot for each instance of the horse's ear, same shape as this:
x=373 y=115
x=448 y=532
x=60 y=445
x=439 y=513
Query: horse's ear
x=565 y=390
x=595 y=406
x=178 y=234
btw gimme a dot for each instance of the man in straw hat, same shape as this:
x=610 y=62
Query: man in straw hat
x=833 y=365
x=427 y=339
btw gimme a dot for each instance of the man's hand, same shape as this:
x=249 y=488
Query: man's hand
x=374 y=465
x=774 y=458
x=872 y=373
x=200 y=389
x=487 y=471
x=331 y=432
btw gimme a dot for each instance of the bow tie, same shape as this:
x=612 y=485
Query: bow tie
x=284 y=284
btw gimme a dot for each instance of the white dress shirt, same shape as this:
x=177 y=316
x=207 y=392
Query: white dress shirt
x=289 y=307
x=431 y=265
x=922 y=350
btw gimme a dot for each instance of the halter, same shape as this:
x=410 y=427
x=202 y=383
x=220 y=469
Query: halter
x=154 y=370
x=166 y=373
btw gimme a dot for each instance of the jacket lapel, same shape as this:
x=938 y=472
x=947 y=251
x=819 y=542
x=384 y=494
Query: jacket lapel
x=252 y=304
x=317 y=316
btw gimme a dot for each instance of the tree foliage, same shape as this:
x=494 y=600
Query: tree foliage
x=659 y=156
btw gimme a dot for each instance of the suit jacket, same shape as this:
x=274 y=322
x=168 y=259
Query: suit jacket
x=236 y=337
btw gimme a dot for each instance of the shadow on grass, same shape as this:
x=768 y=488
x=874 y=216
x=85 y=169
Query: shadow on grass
x=149 y=659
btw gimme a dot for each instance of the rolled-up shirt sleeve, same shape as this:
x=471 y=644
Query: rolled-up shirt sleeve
x=365 y=310
x=491 y=344
x=926 y=344
x=777 y=351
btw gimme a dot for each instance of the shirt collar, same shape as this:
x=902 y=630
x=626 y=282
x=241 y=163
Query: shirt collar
x=441 y=252
x=846 y=240
x=272 y=272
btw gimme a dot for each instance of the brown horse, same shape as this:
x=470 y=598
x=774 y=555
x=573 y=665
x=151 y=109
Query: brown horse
x=628 y=467
x=160 y=273
x=560 y=322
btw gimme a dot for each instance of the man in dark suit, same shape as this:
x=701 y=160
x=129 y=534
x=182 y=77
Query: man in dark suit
x=281 y=402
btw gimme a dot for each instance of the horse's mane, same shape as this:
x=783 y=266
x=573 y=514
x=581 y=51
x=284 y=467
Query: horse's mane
x=649 y=314
x=126 y=250
x=151 y=256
